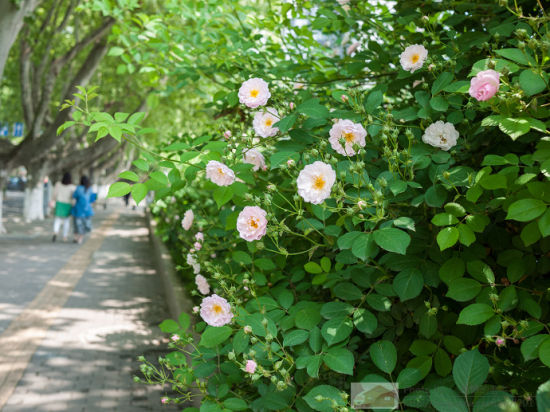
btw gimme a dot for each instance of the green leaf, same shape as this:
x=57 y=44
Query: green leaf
x=408 y=377
x=453 y=268
x=514 y=127
x=491 y=401
x=475 y=314
x=408 y=284
x=384 y=355
x=531 y=82
x=129 y=176
x=286 y=123
x=461 y=86
x=525 y=210
x=169 y=326
x=325 y=264
x=115 y=51
x=139 y=191
x=235 y=404
x=296 y=337
x=530 y=347
x=466 y=236
x=442 y=363
x=118 y=189
x=336 y=330
x=141 y=164
x=136 y=118
x=543 y=397
x=516 y=55
x=213 y=336
x=365 y=321
x=346 y=241
x=312 y=267
x=374 y=100
x=242 y=257
x=159 y=177
x=222 y=195
x=544 y=223
x=339 y=360
x=544 y=353
x=364 y=246
x=439 y=103
x=470 y=371
x=321 y=398
x=444 y=219
x=312 y=108
x=446 y=400
x=442 y=81
x=447 y=237
x=392 y=239
x=463 y=289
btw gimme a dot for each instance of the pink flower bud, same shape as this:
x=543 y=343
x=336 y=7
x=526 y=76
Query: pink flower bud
x=291 y=105
x=196 y=309
x=164 y=400
x=247 y=329
x=361 y=204
x=250 y=366
x=344 y=98
x=227 y=134
x=175 y=338
x=500 y=342
x=197 y=245
x=290 y=162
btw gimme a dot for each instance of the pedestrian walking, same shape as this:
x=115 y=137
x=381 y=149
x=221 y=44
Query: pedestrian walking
x=82 y=210
x=62 y=201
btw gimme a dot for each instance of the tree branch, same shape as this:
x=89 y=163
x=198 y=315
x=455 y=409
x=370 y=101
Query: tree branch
x=25 y=80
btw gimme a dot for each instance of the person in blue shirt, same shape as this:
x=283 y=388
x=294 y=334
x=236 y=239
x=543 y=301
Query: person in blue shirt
x=82 y=210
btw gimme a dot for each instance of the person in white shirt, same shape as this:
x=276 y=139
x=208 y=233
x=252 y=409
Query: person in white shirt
x=63 y=198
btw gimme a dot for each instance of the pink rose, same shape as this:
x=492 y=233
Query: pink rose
x=250 y=366
x=485 y=85
x=252 y=223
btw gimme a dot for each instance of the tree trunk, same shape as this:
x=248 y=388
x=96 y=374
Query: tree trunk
x=3 y=179
x=33 y=207
x=11 y=21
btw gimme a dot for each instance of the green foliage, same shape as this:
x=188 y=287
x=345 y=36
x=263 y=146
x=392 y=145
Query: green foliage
x=424 y=266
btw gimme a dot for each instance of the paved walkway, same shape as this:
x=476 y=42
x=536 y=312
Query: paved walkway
x=73 y=319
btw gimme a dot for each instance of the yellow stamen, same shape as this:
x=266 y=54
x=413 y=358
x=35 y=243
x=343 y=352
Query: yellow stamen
x=253 y=223
x=254 y=93
x=220 y=171
x=319 y=182
x=217 y=309
x=443 y=140
x=348 y=137
x=268 y=122
x=415 y=58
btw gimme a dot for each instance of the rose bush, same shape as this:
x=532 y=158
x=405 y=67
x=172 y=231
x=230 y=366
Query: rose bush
x=399 y=231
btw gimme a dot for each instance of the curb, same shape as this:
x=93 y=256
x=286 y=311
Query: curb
x=174 y=289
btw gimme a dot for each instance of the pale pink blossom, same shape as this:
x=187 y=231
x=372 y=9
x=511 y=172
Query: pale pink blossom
x=254 y=157
x=350 y=133
x=202 y=284
x=315 y=182
x=216 y=311
x=187 y=220
x=191 y=250
x=413 y=57
x=500 y=341
x=254 y=92
x=227 y=134
x=191 y=261
x=252 y=223
x=264 y=120
x=164 y=400
x=291 y=105
x=175 y=338
x=250 y=366
x=213 y=256
x=199 y=236
x=197 y=246
x=219 y=173
x=361 y=204
x=440 y=134
x=196 y=309
x=484 y=85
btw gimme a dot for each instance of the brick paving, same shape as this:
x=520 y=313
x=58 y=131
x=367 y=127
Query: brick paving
x=87 y=359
